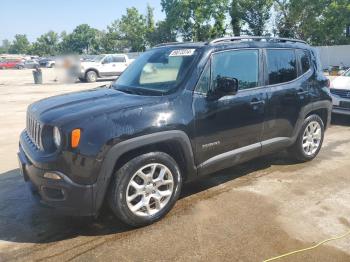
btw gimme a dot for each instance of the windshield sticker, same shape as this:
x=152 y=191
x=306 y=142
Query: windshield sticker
x=182 y=52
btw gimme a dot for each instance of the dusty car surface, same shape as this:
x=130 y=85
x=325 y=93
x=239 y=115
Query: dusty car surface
x=178 y=112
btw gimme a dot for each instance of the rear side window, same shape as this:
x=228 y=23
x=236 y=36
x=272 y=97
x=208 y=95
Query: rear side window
x=304 y=58
x=281 y=65
x=241 y=64
x=119 y=59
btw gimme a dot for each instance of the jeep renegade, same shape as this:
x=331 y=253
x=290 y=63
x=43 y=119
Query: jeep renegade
x=178 y=112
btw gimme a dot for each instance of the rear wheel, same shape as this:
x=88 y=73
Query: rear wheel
x=310 y=139
x=145 y=189
x=91 y=76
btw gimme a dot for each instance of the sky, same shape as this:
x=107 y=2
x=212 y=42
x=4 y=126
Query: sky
x=35 y=17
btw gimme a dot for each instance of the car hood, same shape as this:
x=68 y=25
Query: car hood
x=58 y=110
x=88 y=63
x=341 y=82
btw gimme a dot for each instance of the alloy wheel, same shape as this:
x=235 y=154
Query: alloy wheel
x=312 y=138
x=150 y=189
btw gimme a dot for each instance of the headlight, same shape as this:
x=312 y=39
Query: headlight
x=56 y=136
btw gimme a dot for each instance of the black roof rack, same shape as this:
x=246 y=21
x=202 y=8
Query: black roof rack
x=266 y=38
x=173 y=43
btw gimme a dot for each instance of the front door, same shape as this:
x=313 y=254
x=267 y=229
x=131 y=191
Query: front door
x=228 y=130
x=109 y=66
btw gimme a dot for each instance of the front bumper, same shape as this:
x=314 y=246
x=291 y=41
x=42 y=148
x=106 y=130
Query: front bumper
x=339 y=105
x=64 y=195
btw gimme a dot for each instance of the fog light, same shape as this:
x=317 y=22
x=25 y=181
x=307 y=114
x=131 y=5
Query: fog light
x=53 y=176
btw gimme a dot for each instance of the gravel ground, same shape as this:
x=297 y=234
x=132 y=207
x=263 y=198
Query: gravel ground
x=251 y=212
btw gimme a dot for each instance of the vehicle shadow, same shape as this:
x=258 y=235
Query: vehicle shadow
x=24 y=221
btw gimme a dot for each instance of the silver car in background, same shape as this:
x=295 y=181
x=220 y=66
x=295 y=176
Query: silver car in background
x=340 y=90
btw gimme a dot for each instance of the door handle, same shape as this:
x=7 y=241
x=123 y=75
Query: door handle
x=256 y=102
x=113 y=65
x=302 y=92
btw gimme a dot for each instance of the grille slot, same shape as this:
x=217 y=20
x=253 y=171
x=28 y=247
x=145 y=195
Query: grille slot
x=34 y=131
x=341 y=92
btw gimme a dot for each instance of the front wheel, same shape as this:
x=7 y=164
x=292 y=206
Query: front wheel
x=91 y=76
x=145 y=189
x=310 y=139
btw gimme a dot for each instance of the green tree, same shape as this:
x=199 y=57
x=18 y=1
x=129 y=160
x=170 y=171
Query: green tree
x=150 y=26
x=255 y=14
x=196 y=20
x=46 y=44
x=163 y=33
x=20 y=45
x=236 y=18
x=321 y=22
x=4 y=48
x=132 y=28
x=83 y=40
x=111 y=40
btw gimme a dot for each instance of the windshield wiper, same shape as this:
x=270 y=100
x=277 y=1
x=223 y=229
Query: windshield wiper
x=130 y=91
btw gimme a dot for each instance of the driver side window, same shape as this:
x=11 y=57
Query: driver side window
x=108 y=60
x=240 y=64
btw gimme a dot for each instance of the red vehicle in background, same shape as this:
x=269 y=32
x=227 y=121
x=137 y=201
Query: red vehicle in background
x=9 y=64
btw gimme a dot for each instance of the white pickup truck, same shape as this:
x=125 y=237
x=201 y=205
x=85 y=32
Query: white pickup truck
x=100 y=66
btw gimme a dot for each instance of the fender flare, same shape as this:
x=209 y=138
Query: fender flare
x=116 y=151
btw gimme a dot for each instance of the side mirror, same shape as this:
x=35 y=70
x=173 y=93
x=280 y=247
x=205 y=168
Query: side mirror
x=226 y=86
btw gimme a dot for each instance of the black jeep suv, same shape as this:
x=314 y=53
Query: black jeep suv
x=178 y=112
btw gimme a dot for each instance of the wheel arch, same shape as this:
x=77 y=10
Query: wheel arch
x=175 y=143
x=91 y=69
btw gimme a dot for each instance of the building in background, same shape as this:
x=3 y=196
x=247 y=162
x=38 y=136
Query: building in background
x=334 y=55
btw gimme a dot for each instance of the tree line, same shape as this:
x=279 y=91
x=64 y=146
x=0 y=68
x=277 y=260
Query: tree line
x=320 y=22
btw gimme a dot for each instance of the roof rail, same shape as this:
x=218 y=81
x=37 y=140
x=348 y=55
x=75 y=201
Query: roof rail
x=266 y=38
x=171 y=43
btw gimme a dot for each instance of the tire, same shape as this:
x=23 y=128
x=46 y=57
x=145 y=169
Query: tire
x=309 y=142
x=83 y=80
x=20 y=67
x=91 y=76
x=127 y=176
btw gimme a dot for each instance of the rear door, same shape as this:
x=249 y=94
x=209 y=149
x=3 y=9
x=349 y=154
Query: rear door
x=287 y=94
x=120 y=64
x=228 y=130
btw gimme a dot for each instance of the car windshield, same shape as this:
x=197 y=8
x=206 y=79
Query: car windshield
x=158 y=71
x=97 y=58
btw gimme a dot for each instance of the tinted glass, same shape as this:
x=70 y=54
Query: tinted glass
x=304 y=57
x=118 y=59
x=204 y=81
x=243 y=65
x=108 y=59
x=281 y=65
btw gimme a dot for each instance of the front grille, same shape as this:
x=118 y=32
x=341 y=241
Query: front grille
x=341 y=92
x=34 y=131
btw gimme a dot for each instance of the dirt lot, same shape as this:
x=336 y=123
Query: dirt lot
x=250 y=212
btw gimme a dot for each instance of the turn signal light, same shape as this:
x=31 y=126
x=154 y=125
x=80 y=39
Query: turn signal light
x=75 y=138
